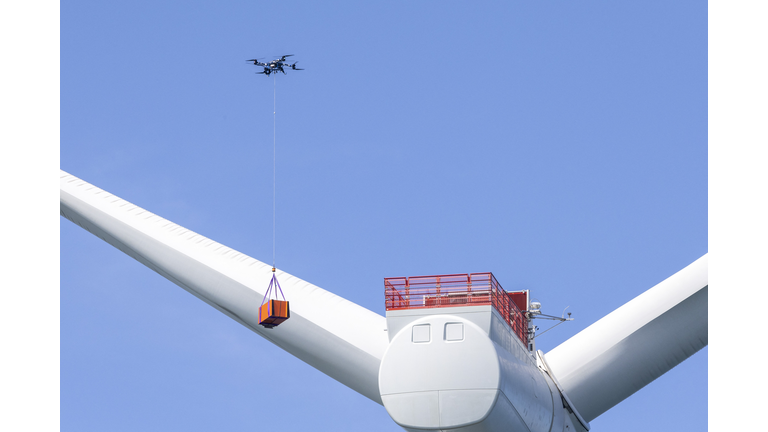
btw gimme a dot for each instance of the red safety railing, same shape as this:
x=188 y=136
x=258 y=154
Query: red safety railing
x=475 y=289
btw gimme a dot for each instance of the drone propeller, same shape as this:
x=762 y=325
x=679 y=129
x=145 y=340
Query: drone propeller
x=293 y=66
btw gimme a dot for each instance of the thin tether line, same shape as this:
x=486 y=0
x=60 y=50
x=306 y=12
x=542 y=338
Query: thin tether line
x=274 y=157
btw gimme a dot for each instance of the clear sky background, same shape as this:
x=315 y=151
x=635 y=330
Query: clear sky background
x=560 y=145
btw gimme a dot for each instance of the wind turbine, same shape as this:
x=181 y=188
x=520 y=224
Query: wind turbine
x=518 y=389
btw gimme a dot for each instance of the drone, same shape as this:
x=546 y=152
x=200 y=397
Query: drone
x=275 y=66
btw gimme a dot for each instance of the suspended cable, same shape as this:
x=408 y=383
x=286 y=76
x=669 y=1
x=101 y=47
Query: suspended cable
x=274 y=165
x=272 y=312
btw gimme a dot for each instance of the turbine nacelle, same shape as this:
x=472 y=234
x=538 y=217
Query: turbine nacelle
x=464 y=369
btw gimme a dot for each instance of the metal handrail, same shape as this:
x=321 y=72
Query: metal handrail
x=453 y=290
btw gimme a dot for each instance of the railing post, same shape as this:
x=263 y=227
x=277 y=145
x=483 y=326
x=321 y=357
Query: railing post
x=407 y=292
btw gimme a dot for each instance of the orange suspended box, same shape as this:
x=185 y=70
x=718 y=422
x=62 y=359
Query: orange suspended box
x=273 y=313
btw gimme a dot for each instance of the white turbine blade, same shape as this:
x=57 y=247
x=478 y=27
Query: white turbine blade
x=635 y=344
x=235 y=284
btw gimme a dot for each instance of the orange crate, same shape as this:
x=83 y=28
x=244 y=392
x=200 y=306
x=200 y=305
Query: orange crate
x=273 y=313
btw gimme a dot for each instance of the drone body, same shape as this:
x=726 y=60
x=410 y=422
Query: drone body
x=274 y=66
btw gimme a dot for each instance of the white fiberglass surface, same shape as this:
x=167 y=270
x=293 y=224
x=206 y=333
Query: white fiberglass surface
x=638 y=342
x=235 y=284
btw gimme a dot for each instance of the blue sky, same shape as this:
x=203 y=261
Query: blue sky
x=561 y=146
